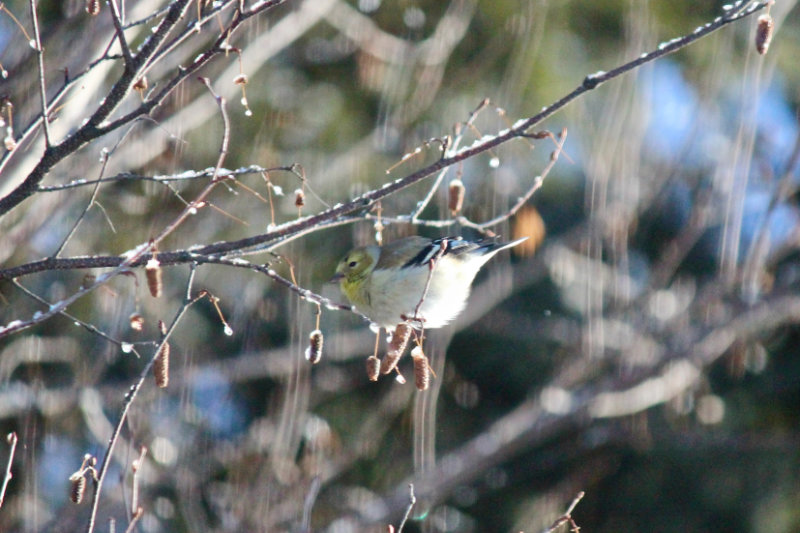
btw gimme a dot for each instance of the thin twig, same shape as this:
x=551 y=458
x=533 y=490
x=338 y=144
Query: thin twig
x=12 y=440
x=123 y=42
x=412 y=499
x=304 y=294
x=308 y=503
x=103 y=165
x=451 y=148
x=146 y=20
x=567 y=516
x=131 y=396
x=144 y=249
x=40 y=60
x=89 y=327
x=166 y=178
x=537 y=184
x=431 y=267
x=137 y=515
x=95 y=126
x=135 y=468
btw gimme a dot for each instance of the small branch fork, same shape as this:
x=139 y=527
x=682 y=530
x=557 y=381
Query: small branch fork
x=154 y=49
x=412 y=500
x=143 y=250
x=567 y=517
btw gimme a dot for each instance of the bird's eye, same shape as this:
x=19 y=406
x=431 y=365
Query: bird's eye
x=352 y=264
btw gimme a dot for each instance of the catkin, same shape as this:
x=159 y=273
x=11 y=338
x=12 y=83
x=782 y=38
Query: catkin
x=93 y=7
x=161 y=367
x=141 y=84
x=77 y=487
x=422 y=370
x=764 y=31
x=314 y=350
x=373 y=368
x=137 y=322
x=397 y=347
x=299 y=198
x=152 y=271
x=456 y=193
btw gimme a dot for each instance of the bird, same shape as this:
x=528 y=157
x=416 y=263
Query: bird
x=415 y=279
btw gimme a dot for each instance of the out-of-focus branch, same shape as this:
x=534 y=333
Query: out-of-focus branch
x=539 y=419
x=131 y=396
x=12 y=440
x=566 y=518
x=40 y=63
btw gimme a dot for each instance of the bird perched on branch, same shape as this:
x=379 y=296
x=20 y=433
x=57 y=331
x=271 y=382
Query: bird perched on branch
x=423 y=281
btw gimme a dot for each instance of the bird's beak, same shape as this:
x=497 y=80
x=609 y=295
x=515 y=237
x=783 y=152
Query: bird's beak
x=336 y=278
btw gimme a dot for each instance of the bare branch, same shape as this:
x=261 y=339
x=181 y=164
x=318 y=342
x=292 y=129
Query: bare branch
x=40 y=62
x=123 y=42
x=131 y=396
x=567 y=516
x=12 y=440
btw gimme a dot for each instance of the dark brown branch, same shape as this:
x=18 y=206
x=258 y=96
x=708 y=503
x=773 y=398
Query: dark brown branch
x=140 y=251
x=92 y=130
x=123 y=42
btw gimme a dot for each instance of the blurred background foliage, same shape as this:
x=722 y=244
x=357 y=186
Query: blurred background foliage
x=672 y=214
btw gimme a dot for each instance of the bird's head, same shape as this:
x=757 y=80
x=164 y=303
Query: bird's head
x=355 y=266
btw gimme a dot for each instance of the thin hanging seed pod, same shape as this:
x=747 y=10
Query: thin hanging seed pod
x=77 y=487
x=88 y=280
x=141 y=84
x=10 y=143
x=764 y=31
x=456 y=193
x=137 y=322
x=153 y=272
x=373 y=368
x=161 y=366
x=390 y=361
x=93 y=7
x=299 y=198
x=422 y=370
x=397 y=347
x=314 y=350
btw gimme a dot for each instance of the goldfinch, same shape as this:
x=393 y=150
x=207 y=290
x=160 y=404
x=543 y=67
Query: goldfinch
x=388 y=284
